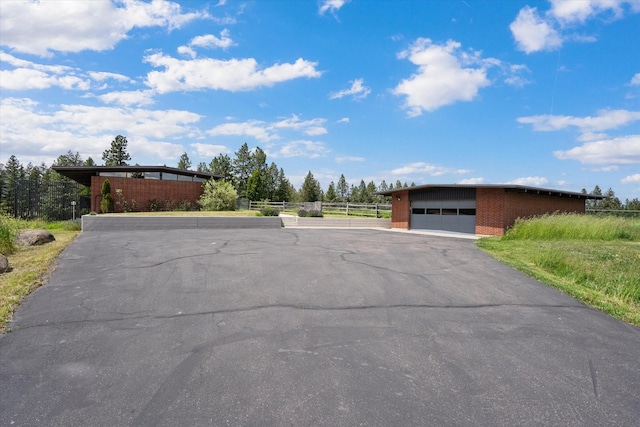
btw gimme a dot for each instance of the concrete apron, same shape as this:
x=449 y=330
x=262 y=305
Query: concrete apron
x=129 y=222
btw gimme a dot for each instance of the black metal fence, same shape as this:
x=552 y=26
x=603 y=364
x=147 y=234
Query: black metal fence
x=50 y=200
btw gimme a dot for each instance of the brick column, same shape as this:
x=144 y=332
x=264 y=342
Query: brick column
x=400 y=210
x=490 y=211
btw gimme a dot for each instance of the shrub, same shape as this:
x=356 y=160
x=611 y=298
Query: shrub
x=218 y=196
x=8 y=233
x=312 y=213
x=106 y=204
x=186 y=205
x=269 y=211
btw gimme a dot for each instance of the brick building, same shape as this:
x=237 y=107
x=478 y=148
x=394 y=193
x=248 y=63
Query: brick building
x=477 y=209
x=143 y=184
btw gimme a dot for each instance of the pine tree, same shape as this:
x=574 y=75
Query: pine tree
x=611 y=202
x=310 y=190
x=184 y=163
x=221 y=165
x=270 y=183
x=254 y=186
x=331 y=196
x=595 y=204
x=342 y=189
x=117 y=154
x=13 y=171
x=242 y=169
x=284 y=190
x=70 y=159
x=371 y=190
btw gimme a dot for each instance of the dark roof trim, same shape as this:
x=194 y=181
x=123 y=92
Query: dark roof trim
x=83 y=174
x=515 y=188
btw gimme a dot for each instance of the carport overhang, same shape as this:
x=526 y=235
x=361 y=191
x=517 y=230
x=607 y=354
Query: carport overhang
x=83 y=174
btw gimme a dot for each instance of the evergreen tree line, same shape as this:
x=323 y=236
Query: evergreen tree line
x=248 y=172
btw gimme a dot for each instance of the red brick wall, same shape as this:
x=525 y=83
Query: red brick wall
x=525 y=205
x=400 y=210
x=144 y=190
x=490 y=211
x=497 y=209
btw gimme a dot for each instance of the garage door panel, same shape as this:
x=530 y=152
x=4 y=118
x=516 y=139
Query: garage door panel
x=448 y=215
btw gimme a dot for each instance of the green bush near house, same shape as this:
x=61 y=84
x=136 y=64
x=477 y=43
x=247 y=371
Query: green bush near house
x=218 y=196
x=269 y=211
x=106 y=204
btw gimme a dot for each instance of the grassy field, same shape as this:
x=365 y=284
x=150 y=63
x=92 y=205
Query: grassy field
x=594 y=259
x=30 y=265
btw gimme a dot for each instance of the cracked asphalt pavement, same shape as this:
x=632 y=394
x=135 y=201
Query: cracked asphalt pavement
x=304 y=327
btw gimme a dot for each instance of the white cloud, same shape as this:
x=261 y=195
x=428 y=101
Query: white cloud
x=31 y=75
x=589 y=126
x=515 y=77
x=301 y=148
x=102 y=75
x=635 y=80
x=30 y=128
x=208 y=41
x=254 y=128
x=128 y=98
x=343 y=120
x=568 y=12
x=445 y=76
x=72 y=26
x=265 y=132
x=631 y=179
x=343 y=159
x=532 y=33
x=313 y=127
x=534 y=181
x=23 y=78
x=617 y=151
x=357 y=91
x=210 y=150
x=211 y=41
x=331 y=6
x=427 y=169
x=472 y=181
x=232 y=75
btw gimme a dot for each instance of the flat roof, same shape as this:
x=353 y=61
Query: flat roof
x=506 y=187
x=83 y=174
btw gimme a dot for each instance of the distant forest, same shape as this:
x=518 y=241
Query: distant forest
x=251 y=176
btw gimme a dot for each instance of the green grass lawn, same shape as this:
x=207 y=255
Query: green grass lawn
x=594 y=259
x=30 y=268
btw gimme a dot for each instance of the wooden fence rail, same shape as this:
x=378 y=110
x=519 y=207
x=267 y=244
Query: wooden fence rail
x=376 y=210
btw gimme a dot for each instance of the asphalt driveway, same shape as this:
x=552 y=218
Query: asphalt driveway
x=303 y=327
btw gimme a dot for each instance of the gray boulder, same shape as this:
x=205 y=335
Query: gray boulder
x=34 y=237
x=4 y=264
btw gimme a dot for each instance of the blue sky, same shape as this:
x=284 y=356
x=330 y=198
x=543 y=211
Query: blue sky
x=541 y=93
